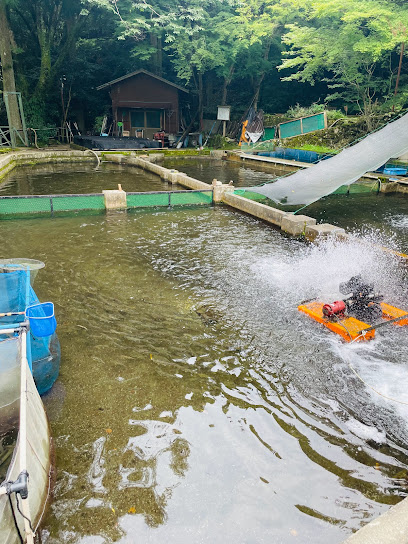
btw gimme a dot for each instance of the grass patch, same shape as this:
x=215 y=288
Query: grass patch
x=318 y=148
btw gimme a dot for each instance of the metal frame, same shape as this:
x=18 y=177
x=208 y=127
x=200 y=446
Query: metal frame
x=4 y=132
x=13 y=130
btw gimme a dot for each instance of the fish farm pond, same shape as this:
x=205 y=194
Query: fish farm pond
x=194 y=402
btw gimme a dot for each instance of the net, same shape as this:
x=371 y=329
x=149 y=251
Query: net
x=50 y=205
x=174 y=198
x=307 y=186
x=16 y=293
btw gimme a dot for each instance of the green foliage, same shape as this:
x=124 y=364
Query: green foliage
x=294 y=112
x=273 y=119
x=219 y=142
x=35 y=112
x=97 y=125
x=225 y=51
x=348 y=44
x=317 y=148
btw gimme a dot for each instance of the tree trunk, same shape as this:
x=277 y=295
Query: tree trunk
x=227 y=81
x=200 y=99
x=45 y=67
x=261 y=78
x=9 y=85
x=157 y=57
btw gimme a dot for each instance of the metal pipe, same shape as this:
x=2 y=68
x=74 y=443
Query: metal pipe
x=9 y=331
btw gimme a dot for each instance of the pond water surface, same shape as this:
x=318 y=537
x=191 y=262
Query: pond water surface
x=195 y=403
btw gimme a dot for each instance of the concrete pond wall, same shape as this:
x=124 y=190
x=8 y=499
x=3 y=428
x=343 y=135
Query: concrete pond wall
x=8 y=161
x=295 y=225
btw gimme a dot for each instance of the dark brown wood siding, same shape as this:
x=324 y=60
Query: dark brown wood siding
x=146 y=93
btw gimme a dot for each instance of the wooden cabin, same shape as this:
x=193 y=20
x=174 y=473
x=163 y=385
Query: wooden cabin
x=144 y=104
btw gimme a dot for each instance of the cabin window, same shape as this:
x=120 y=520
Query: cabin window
x=153 y=119
x=138 y=119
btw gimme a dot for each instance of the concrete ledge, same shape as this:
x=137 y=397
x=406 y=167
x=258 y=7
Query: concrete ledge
x=266 y=213
x=390 y=528
x=192 y=183
x=323 y=230
x=296 y=224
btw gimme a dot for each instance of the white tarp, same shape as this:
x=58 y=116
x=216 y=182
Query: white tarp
x=311 y=184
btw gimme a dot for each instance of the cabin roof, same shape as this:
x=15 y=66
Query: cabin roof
x=127 y=76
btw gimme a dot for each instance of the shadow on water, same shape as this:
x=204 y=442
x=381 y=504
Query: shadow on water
x=195 y=403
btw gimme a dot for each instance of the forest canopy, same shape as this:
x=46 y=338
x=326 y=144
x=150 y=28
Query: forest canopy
x=270 y=54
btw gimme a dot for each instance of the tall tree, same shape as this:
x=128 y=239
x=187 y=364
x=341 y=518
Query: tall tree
x=6 y=58
x=347 y=44
x=47 y=32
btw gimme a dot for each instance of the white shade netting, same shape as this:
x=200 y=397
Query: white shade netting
x=311 y=184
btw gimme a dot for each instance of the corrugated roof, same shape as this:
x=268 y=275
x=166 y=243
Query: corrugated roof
x=127 y=76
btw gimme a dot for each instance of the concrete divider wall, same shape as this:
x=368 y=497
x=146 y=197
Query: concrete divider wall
x=294 y=225
x=266 y=213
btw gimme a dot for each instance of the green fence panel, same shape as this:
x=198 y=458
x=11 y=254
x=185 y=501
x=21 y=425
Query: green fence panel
x=302 y=126
x=190 y=198
x=250 y=195
x=78 y=202
x=17 y=206
x=49 y=204
x=269 y=133
x=357 y=188
x=364 y=187
x=343 y=190
x=292 y=128
x=145 y=200
x=315 y=122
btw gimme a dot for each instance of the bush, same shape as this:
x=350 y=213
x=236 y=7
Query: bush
x=303 y=111
x=294 y=112
x=219 y=142
x=97 y=126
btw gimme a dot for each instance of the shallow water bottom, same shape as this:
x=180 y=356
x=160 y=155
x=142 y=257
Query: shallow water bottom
x=195 y=403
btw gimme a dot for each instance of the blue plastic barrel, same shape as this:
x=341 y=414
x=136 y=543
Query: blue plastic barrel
x=42 y=319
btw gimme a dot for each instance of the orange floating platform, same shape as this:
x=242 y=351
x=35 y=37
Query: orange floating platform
x=349 y=328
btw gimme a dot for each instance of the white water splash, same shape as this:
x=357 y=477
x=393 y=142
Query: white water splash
x=317 y=271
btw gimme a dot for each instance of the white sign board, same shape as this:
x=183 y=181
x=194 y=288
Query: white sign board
x=223 y=113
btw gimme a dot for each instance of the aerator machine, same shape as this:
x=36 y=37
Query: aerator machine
x=358 y=315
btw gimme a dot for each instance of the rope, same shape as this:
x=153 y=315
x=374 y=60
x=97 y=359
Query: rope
x=15 y=520
x=25 y=517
